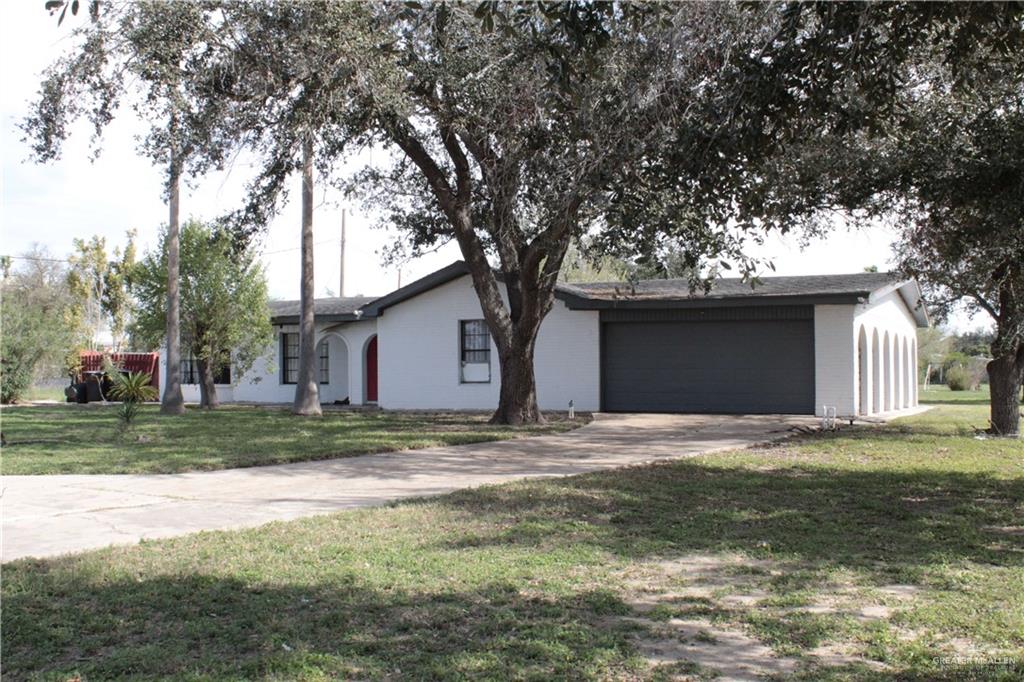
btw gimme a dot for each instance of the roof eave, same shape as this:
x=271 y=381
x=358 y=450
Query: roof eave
x=909 y=292
x=328 y=317
x=575 y=302
x=413 y=289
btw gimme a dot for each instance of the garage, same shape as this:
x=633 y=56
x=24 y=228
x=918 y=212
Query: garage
x=738 y=360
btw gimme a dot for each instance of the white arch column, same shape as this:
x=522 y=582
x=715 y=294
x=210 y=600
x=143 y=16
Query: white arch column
x=887 y=372
x=877 y=374
x=915 y=366
x=897 y=373
x=865 y=389
x=907 y=374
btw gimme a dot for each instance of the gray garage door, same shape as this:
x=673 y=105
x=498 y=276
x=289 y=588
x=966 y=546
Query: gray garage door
x=759 y=366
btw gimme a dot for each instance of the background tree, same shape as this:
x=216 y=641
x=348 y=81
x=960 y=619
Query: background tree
x=142 y=49
x=87 y=280
x=226 y=316
x=932 y=346
x=117 y=302
x=586 y=263
x=36 y=314
x=977 y=343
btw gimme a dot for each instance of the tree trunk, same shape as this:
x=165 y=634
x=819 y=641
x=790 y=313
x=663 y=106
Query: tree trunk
x=1005 y=374
x=173 y=402
x=207 y=387
x=517 y=400
x=307 y=390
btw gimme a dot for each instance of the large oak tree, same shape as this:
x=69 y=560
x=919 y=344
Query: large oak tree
x=926 y=132
x=512 y=135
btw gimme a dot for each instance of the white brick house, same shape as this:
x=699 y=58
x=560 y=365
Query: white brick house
x=789 y=345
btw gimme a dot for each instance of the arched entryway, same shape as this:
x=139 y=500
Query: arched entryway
x=864 y=371
x=332 y=367
x=371 y=369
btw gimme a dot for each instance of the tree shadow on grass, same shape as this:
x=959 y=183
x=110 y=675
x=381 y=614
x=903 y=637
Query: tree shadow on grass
x=896 y=520
x=203 y=627
x=71 y=615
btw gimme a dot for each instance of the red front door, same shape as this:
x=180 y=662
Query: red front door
x=371 y=370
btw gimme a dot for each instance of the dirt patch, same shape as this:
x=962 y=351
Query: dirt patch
x=690 y=610
x=700 y=577
x=836 y=656
x=730 y=654
x=698 y=581
x=899 y=591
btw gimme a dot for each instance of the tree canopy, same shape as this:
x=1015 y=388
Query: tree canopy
x=512 y=142
x=225 y=313
x=515 y=129
x=38 y=322
x=943 y=160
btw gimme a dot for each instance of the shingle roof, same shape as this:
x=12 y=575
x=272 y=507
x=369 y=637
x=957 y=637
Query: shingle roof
x=657 y=293
x=858 y=284
x=338 y=309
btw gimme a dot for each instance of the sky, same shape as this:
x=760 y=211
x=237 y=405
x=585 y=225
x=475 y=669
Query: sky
x=78 y=196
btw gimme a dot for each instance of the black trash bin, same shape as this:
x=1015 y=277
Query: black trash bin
x=93 y=392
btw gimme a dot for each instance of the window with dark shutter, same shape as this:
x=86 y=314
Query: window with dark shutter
x=289 y=358
x=474 y=352
x=190 y=373
x=323 y=353
x=189 y=370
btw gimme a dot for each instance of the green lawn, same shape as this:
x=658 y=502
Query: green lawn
x=55 y=393
x=875 y=553
x=937 y=394
x=82 y=439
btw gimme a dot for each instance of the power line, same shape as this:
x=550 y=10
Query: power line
x=38 y=258
x=66 y=260
x=296 y=248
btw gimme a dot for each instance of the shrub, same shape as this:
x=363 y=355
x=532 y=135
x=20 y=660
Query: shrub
x=132 y=389
x=959 y=379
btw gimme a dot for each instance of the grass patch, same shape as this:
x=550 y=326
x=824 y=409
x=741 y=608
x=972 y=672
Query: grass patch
x=938 y=394
x=537 y=579
x=82 y=439
x=36 y=392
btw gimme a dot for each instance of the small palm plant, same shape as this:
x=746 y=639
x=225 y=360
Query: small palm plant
x=132 y=389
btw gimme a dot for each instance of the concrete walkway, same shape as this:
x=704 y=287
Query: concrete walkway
x=51 y=515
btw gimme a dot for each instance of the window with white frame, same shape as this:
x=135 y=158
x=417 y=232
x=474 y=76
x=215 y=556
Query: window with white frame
x=474 y=352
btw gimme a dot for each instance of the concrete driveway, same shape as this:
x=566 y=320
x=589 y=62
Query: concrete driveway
x=51 y=515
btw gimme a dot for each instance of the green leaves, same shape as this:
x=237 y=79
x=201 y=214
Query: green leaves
x=225 y=316
x=133 y=387
x=36 y=320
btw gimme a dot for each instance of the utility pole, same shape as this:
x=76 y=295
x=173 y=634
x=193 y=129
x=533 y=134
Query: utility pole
x=341 y=262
